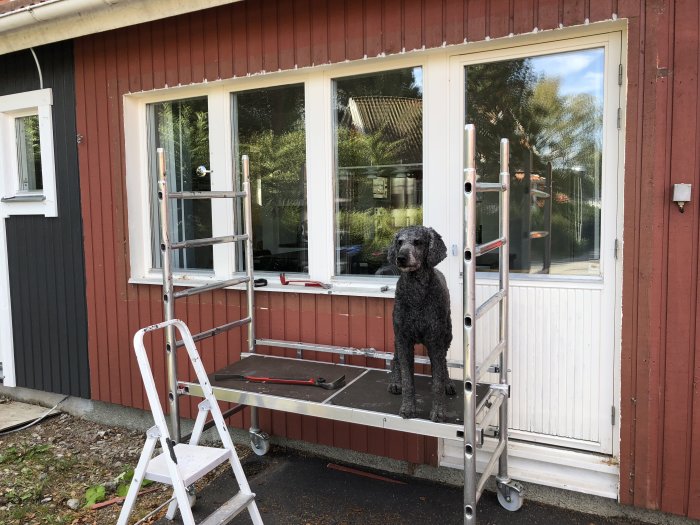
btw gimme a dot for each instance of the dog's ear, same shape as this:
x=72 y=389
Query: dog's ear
x=437 y=250
x=391 y=253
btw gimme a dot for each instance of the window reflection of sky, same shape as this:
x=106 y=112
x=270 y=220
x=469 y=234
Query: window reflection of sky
x=578 y=71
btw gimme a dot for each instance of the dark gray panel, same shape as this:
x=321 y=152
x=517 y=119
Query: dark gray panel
x=45 y=255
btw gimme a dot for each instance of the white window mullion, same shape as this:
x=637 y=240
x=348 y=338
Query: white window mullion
x=319 y=164
x=222 y=210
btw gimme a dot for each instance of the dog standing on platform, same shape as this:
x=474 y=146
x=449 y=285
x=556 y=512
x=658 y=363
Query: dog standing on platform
x=421 y=315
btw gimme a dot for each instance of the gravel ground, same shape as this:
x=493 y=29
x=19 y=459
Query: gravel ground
x=47 y=469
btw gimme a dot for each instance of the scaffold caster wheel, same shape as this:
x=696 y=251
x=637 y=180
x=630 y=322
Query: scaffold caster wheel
x=510 y=495
x=259 y=443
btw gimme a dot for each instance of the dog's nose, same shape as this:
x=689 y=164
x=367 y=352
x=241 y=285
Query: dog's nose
x=401 y=259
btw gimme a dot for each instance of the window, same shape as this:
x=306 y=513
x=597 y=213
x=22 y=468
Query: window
x=28 y=153
x=270 y=129
x=554 y=121
x=28 y=185
x=379 y=166
x=181 y=128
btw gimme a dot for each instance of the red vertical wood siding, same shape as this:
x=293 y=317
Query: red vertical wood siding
x=660 y=406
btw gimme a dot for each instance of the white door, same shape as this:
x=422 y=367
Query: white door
x=558 y=105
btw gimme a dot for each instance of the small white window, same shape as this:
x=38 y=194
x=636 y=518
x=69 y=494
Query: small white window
x=28 y=181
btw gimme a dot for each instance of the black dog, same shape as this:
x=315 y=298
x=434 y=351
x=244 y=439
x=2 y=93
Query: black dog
x=421 y=315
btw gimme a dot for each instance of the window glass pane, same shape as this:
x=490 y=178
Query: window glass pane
x=551 y=109
x=181 y=128
x=270 y=130
x=28 y=153
x=379 y=166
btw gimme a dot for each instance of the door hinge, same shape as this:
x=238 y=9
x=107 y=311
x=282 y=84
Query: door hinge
x=613 y=413
x=617 y=248
x=619 y=118
x=619 y=75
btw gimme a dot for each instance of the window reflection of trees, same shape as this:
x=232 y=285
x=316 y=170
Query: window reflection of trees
x=182 y=130
x=379 y=174
x=546 y=127
x=271 y=131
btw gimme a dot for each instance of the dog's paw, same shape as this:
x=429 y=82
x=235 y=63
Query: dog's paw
x=437 y=414
x=408 y=410
x=394 y=388
x=450 y=388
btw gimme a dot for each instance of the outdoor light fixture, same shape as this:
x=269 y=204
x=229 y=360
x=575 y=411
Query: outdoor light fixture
x=681 y=195
x=519 y=174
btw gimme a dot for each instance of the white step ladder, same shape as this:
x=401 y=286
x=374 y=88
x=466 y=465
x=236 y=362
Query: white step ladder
x=181 y=464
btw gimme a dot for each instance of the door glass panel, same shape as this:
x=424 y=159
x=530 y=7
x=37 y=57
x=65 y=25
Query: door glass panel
x=181 y=128
x=550 y=107
x=379 y=166
x=270 y=130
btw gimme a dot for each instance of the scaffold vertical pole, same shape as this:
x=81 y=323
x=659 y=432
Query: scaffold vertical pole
x=469 y=302
x=503 y=270
x=168 y=297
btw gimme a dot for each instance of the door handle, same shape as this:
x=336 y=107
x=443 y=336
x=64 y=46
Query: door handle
x=202 y=171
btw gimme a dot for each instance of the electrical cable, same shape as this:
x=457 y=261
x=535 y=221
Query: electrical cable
x=38 y=67
x=37 y=420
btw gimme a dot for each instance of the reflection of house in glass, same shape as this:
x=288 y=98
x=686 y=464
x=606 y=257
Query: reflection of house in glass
x=384 y=190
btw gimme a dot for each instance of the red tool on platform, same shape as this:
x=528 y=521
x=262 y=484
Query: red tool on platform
x=305 y=282
x=318 y=381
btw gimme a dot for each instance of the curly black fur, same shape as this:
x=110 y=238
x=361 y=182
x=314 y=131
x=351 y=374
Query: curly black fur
x=421 y=315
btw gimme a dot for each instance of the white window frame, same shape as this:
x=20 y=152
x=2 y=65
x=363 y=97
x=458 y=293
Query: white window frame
x=14 y=201
x=320 y=159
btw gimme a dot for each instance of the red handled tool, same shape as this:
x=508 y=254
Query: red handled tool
x=318 y=381
x=305 y=282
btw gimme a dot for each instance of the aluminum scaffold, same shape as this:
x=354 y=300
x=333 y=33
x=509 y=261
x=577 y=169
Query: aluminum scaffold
x=509 y=492
x=481 y=412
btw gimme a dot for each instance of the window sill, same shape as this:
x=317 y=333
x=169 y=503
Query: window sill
x=36 y=197
x=384 y=289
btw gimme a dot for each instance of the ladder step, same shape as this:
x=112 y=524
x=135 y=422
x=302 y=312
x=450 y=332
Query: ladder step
x=209 y=287
x=229 y=510
x=211 y=241
x=190 y=195
x=194 y=462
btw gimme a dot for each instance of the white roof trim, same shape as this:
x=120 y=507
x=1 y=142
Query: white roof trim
x=58 y=20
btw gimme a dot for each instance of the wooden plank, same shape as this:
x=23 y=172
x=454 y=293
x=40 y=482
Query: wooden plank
x=336 y=31
x=111 y=153
x=498 y=18
x=654 y=162
x=357 y=310
x=211 y=42
x=324 y=335
x=240 y=38
x=454 y=21
x=523 y=16
x=184 y=46
x=319 y=32
x=573 y=12
x=196 y=47
x=302 y=33
x=341 y=337
x=307 y=333
x=373 y=23
x=434 y=23
x=292 y=332
x=412 y=25
x=476 y=20
x=224 y=42
x=681 y=276
x=254 y=41
x=630 y=279
x=285 y=34
x=355 y=30
x=600 y=10
x=391 y=31
x=268 y=34
x=547 y=15
x=146 y=55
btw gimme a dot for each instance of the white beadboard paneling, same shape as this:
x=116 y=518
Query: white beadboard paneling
x=557 y=358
